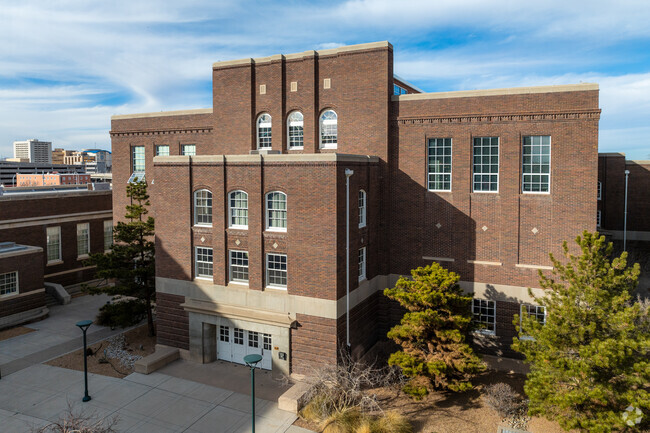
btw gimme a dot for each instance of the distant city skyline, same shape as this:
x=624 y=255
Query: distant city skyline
x=66 y=68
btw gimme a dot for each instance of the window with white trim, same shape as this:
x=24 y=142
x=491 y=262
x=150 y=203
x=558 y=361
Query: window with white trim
x=108 y=234
x=276 y=270
x=484 y=312
x=598 y=216
x=238 y=266
x=264 y=131
x=537 y=312
x=238 y=209
x=83 y=239
x=53 y=244
x=137 y=159
x=224 y=333
x=203 y=207
x=599 y=196
x=439 y=164
x=9 y=284
x=362 y=208
x=486 y=164
x=276 y=211
x=162 y=150
x=536 y=169
x=253 y=339
x=267 y=341
x=238 y=336
x=362 y=263
x=295 y=124
x=188 y=149
x=328 y=126
x=203 y=260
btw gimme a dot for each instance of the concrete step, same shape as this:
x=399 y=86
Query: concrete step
x=50 y=300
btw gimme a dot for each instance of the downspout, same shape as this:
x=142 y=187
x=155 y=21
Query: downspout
x=348 y=173
x=627 y=173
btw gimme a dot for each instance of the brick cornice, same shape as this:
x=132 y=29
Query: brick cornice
x=495 y=118
x=188 y=130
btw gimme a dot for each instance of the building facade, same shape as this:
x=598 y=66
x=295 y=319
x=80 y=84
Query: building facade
x=35 y=151
x=49 y=179
x=318 y=178
x=9 y=170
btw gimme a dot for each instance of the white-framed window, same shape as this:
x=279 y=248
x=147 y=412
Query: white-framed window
x=253 y=339
x=598 y=220
x=53 y=244
x=188 y=149
x=276 y=211
x=83 y=239
x=276 y=270
x=264 y=131
x=238 y=336
x=108 y=234
x=484 y=312
x=439 y=164
x=328 y=126
x=362 y=208
x=295 y=124
x=267 y=342
x=203 y=260
x=224 y=333
x=238 y=209
x=599 y=196
x=203 y=207
x=238 y=271
x=486 y=164
x=536 y=162
x=9 y=284
x=537 y=312
x=362 y=263
x=399 y=90
x=137 y=159
x=162 y=150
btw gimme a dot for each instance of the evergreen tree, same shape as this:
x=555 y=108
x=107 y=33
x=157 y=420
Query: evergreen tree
x=130 y=263
x=433 y=332
x=590 y=361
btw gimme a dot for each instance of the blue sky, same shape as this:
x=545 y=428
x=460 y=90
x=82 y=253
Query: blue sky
x=67 y=66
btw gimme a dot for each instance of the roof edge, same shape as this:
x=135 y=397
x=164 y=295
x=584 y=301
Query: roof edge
x=162 y=114
x=497 y=92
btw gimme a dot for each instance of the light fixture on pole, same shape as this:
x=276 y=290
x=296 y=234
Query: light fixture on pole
x=251 y=361
x=627 y=173
x=84 y=325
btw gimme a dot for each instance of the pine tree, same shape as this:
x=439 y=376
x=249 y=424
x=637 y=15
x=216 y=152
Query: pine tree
x=433 y=332
x=590 y=361
x=131 y=263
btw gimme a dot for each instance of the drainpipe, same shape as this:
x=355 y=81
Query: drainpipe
x=627 y=173
x=348 y=173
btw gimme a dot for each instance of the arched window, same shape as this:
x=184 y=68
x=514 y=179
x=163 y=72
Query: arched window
x=203 y=207
x=264 y=131
x=276 y=211
x=328 y=130
x=294 y=130
x=362 y=208
x=238 y=209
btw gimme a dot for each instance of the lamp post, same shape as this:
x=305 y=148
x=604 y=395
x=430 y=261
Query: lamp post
x=84 y=325
x=627 y=173
x=251 y=361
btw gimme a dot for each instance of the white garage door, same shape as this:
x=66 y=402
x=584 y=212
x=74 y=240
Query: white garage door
x=235 y=343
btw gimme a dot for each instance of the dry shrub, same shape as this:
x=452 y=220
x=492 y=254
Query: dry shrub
x=502 y=398
x=77 y=422
x=392 y=422
x=345 y=421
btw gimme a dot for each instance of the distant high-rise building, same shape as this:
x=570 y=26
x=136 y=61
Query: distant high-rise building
x=34 y=150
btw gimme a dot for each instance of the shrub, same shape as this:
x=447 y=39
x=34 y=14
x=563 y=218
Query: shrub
x=502 y=398
x=392 y=422
x=123 y=313
x=345 y=421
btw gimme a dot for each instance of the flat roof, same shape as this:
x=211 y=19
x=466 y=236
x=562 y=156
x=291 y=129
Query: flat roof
x=271 y=157
x=162 y=114
x=497 y=92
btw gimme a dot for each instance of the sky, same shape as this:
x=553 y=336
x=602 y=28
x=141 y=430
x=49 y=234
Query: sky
x=67 y=66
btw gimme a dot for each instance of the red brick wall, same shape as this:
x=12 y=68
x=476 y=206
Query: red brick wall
x=30 y=278
x=313 y=343
x=172 y=323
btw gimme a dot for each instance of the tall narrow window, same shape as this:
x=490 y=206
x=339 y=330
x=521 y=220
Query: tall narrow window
x=486 y=164
x=276 y=270
x=362 y=264
x=188 y=149
x=536 y=164
x=137 y=163
x=83 y=239
x=238 y=209
x=362 y=208
x=203 y=262
x=295 y=130
x=203 y=207
x=276 y=211
x=53 y=244
x=108 y=235
x=8 y=284
x=600 y=191
x=264 y=131
x=439 y=171
x=484 y=312
x=239 y=266
x=162 y=150
x=328 y=130
x=598 y=217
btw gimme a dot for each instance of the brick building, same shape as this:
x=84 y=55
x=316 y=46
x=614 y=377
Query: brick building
x=304 y=154
x=51 y=179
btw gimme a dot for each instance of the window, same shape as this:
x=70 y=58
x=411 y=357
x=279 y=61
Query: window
x=253 y=339
x=362 y=208
x=203 y=262
x=536 y=312
x=399 y=90
x=137 y=159
x=267 y=341
x=108 y=234
x=239 y=266
x=276 y=270
x=162 y=150
x=224 y=333
x=439 y=154
x=239 y=336
x=328 y=130
x=484 y=313
x=362 y=264
x=295 y=129
x=238 y=209
x=600 y=191
x=9 y=284
x=203 y=207
x=537 y=164
x=53 y=244
x=264 y=131
x=486 y=164
x=188 y=149
x=276 y=211
x=83 y=239
x=598 y=218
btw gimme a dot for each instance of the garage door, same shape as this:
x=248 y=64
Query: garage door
x=235 y=343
